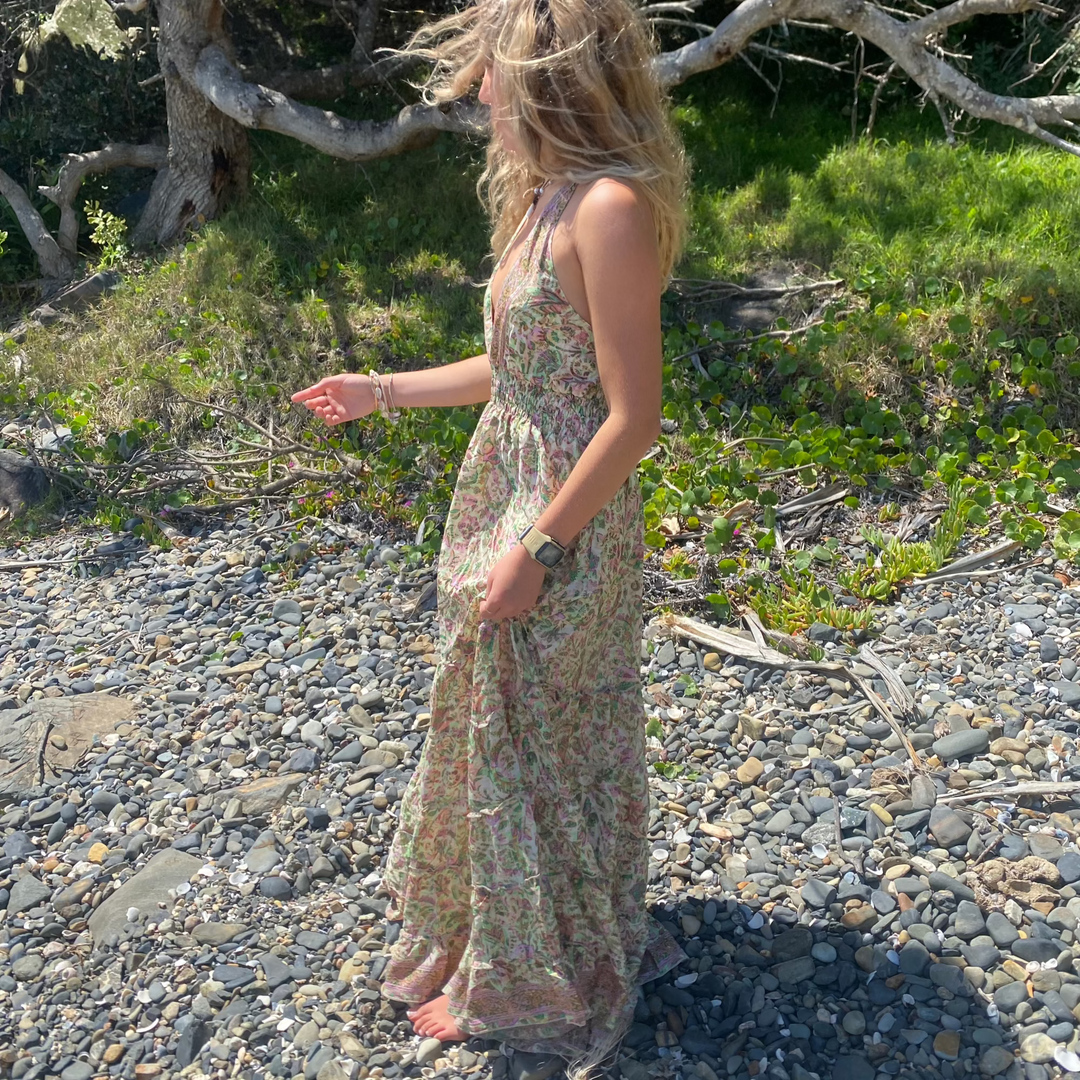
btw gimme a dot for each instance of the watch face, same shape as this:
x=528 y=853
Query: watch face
x=548 y=554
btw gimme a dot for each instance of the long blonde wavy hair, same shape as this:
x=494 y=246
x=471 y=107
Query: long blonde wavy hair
x=582 y=99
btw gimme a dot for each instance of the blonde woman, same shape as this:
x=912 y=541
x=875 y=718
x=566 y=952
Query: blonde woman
x=519 y=862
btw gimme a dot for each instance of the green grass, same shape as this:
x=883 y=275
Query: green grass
x=948 y=359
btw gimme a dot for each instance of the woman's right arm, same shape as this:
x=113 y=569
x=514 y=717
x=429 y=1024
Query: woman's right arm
x=340 y=398
x=466 y=382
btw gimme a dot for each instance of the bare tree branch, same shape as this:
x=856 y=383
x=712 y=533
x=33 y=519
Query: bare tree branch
x=367 y=22
x=904 y=42
x=55 y=265
x=259 y=107
x=962 y=10
x=75 y=169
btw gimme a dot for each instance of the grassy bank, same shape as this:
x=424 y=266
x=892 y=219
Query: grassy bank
x=946 y=362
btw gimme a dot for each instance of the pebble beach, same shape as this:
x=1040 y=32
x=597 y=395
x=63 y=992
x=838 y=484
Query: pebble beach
x=201 y=760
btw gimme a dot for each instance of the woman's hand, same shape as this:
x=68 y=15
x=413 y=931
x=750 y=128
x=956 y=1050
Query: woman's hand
x=338 y=399
x=513 y=586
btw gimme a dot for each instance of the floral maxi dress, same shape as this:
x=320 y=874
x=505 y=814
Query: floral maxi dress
x=519 y=862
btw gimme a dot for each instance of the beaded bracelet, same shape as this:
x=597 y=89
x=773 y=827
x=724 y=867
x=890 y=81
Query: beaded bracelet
x=380 y=396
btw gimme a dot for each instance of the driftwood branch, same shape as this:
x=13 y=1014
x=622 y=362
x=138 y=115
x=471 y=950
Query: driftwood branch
x=75 y=169
x=259 y=107
x=745 y=649
x=55 y=264
x=1025 y=787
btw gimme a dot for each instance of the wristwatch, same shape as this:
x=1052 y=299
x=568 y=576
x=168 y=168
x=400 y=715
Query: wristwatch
x=545 y=550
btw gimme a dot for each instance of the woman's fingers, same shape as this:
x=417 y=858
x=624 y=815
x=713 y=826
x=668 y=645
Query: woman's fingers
x=307 y=393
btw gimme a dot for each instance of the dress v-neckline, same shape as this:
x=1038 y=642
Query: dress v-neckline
x=497 y=303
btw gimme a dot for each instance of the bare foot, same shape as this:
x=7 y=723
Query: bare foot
x=433 y=1021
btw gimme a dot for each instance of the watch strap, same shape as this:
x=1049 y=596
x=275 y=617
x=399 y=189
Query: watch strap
x=532 y=539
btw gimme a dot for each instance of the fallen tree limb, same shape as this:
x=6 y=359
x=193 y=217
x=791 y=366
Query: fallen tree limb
x=736 y=645
x=961 y=567
x=692 y=288
x=1025 y=787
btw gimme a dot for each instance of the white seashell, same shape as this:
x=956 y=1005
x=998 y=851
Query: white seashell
x=686 y=980
x=238 y=877
x=285 y=1023
x=1050 y=965
x=820 y=851
x=183 y=888
x=1032 y=966
x=907 y=999
x=1067 y=1059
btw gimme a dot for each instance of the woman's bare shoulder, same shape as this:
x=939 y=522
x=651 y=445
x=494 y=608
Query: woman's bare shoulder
x=610 y=199
x=613 y=221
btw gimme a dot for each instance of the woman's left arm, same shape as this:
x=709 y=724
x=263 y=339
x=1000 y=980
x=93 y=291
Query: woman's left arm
x=615 y=242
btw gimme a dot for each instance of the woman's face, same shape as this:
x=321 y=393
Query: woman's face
x=492 y=96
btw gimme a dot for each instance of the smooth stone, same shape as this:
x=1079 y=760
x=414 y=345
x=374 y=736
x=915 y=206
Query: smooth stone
x=792 y=944
x=29 y=967
x=995 y=1060
x=818 y=894
x=1038 y=1049
x=962 y=744
x=1068 y=866
x=1000 y=929
x=914 y=958
x=1007 y=997
x=27 y=893
x=854 y=1022
x=233 y=976
x=275 y=888
x=262 y=856
x=923 y=792
x=1037 y=949
x=428 y=1051
x=969 y=921
x=217 y=933
x=947 y=827
x=944 y=882
x=795 y=971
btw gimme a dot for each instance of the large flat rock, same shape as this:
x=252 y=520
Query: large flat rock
x=41 y=739
x=151 y=884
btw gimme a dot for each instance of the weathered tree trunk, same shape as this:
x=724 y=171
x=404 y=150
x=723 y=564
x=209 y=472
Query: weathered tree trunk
x=209 y=158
